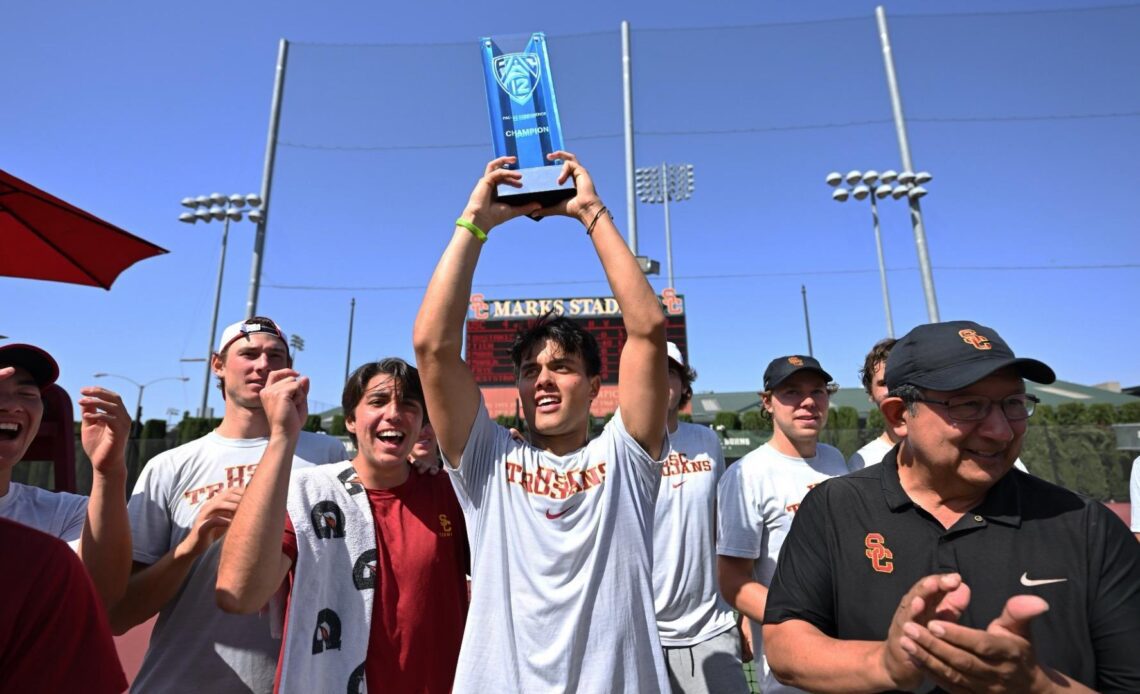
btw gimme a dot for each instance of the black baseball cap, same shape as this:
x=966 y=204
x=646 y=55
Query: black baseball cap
x=781 y=368
x=955 y=354
x=38 y=362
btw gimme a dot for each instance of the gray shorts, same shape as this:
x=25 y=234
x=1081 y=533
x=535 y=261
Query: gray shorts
x=709 y=666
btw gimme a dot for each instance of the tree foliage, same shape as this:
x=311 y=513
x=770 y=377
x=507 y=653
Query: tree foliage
x=876 y=421
x=753 y=420
x=191 y=428
x=728 y=420
x=154 y=429
x=1102 y=414
x=1128 y=413
x=842 y=430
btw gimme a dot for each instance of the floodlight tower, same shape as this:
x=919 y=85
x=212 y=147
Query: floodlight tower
x=208 y=208
x=875 y=186
x=659 y=185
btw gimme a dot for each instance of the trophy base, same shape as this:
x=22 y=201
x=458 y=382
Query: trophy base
x=538 y=183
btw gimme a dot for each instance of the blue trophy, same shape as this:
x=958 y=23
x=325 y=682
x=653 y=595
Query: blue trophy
x=524 y=118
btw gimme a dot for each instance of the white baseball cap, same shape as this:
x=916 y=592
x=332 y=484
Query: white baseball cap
x=674 y=353
x=247 y=327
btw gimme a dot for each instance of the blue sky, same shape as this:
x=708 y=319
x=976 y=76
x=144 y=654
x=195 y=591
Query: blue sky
x=1027 y=118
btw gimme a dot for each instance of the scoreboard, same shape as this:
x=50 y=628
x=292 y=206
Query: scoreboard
x=489 y=339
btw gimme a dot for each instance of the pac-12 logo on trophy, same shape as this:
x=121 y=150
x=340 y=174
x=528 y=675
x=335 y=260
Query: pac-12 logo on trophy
x=518 y=74
x=523 y=115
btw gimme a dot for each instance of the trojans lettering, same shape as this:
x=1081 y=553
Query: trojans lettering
x=679 y=464
x=555 y=484
x=236 y=476
x=792 y=508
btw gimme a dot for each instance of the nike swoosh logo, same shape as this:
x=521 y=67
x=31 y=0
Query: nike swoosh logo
x=1030 y=582
x=563 y=512
x=679 y=483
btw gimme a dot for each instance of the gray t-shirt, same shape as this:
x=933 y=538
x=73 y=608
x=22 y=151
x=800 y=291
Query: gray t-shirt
x=758 y=497
x=561 y=586
x=195 y=647
x=59 y=514
x=687 y=597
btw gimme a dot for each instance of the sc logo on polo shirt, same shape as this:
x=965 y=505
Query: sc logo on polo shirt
x=878 y=553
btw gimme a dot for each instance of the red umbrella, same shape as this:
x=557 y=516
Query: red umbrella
x=44 y=238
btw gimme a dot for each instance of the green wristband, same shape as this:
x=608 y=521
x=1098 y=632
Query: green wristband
x=469 y=226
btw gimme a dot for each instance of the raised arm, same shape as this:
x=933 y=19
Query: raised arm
x=449 y=387
x=253 y=566
x=105 y=546
x=643 y=389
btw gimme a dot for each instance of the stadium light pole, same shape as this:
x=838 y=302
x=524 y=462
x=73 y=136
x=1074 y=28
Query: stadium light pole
x=297 y=343
x=348 y=348
x=807 y=321
x=141 y=387
x=875 y=186
x=208 y=208
x=907 y=165
x=658 y=185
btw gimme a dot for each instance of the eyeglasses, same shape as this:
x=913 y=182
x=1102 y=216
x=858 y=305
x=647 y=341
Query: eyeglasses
x=974 y=408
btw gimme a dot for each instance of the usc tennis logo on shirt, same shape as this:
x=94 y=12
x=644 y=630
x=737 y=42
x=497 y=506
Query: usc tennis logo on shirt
x=878 y=553
x=971 y=337
x=444 y=525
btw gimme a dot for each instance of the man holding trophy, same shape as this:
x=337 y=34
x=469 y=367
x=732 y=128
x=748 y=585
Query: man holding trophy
x=561 y=527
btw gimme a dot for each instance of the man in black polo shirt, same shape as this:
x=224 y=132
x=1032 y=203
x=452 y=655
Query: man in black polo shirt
x=941 y=565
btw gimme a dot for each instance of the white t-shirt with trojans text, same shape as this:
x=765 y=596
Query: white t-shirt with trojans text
x=757 y=498
x=561 y=586
x=689 y=606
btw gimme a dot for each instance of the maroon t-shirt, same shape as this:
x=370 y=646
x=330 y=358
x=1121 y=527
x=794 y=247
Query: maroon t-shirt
x=420 y=604
x=54 y=635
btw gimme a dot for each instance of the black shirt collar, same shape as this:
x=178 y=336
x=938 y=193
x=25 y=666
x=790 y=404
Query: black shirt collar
x=1002 y=503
